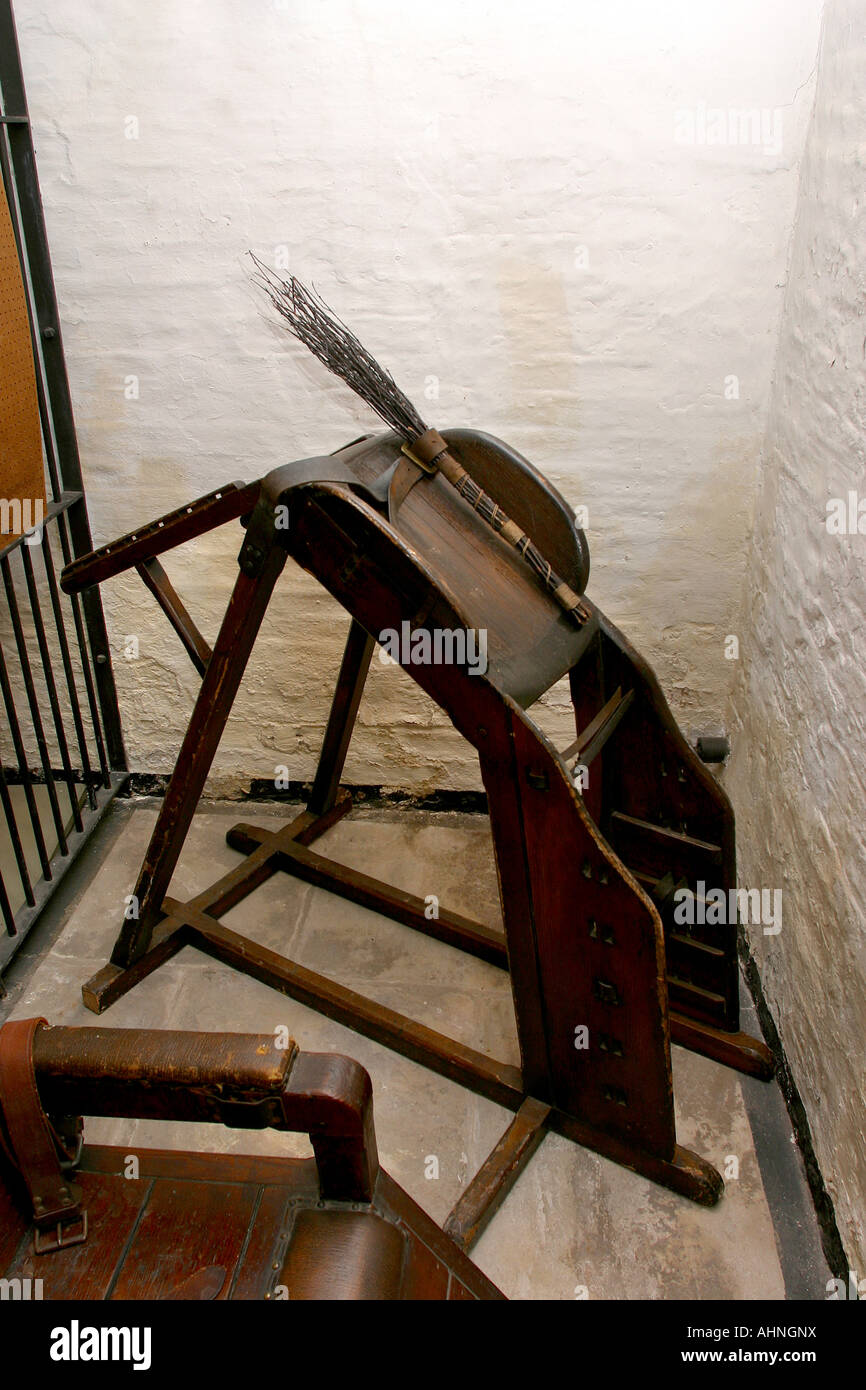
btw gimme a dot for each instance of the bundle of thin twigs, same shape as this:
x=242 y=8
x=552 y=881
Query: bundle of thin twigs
x=313 y=323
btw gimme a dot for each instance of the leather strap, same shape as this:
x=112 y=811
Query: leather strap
x=30 y=1139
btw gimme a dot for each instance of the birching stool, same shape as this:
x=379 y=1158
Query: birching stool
x=591 y=842
x=104 y=1223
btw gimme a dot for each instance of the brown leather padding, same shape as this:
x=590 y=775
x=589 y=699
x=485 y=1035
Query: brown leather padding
x=22 y=473
x=114 y=1056
x=343 y=1255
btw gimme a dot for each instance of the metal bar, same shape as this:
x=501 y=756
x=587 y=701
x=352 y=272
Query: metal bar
x=53 y=510
x=13 y=201
x=17 y=847
x=86 y=658
x=46 y=889
x=48 y=562
x=51 y=686
x=7 y=913
x=159 y=584
x=23 y=767
x=33 y=702
x=19 y=170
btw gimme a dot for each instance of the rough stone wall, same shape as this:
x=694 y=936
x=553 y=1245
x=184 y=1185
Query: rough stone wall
x=799 y=721
x=521 y=211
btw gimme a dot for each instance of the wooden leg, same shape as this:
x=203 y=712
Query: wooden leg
x=497 y=1175
x=737 y=1050
x=341 y=721
x=450 y=927
x=168 y=936
x=218 y=689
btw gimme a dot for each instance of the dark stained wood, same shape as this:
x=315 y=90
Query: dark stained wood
x=683 y=1172
x=113 y=1205
x=450 y=927
x=186 y=1226
x=345 y=1256
x=169 y=936
x=159 y=584
x=601 y=953
x=397 y=1205
x=14 y=1225
x=425 y=1276
x=737 y=1050
x=184 y=524
x=341 y=721
x=260 y=1169
x=113 y=981
x=650 y=846
x=653 y=776
x=255 y=1276
x=497 y=1175
x=496 y=1080
x=592 y=739
x=589 y=941
x=222 y=678
x=193 y=1227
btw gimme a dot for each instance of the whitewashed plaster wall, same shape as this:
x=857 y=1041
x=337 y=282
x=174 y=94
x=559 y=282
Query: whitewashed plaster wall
x=799 y=724
x=500 y=196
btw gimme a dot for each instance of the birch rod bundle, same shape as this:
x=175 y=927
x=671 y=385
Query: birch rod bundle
x=312 y=322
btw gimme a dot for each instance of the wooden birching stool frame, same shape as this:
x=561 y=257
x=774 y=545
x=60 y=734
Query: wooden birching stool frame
x=587 y=875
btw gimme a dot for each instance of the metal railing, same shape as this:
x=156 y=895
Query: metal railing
x=61 y=746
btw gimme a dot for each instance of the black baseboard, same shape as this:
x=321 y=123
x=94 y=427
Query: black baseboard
x=263 y=789
x=834 y=1251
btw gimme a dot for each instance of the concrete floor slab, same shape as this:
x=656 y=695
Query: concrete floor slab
x=575 y=1225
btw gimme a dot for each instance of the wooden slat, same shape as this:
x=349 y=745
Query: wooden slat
x=496 y=1080
x=497 y=1175
x=159 y=584
x=186 y=1226
x=657 y=850
x=738 y=1050
x=450 y=927
x=113 y=1204
x=169 y=936
x=341 y=720
x=223 y=504
x=592 y=739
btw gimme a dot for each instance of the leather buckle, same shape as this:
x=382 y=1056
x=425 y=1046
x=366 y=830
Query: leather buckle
x=428 y=468
x=45 y=1244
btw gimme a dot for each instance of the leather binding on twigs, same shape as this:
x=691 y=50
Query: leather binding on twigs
x=31 y=1143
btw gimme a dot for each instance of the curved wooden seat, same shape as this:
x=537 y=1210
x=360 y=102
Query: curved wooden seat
x=531 y=643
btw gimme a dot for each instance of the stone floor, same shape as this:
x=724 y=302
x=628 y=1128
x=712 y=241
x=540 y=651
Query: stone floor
x=576 y=1225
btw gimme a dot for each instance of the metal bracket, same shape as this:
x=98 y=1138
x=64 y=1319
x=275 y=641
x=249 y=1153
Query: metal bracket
x=57 y=1240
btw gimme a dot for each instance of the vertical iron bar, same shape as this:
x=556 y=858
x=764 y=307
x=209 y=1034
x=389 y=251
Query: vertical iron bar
x=23 y=768
x=6 y=909
x=51 y=685
x=35 y=713
x=20 y=857
x=48 y=562
x=86 y=659
x=46 y=330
